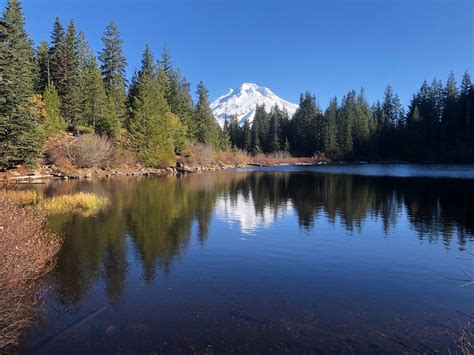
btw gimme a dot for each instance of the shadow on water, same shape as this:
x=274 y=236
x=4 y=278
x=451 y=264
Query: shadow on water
x=151 y=222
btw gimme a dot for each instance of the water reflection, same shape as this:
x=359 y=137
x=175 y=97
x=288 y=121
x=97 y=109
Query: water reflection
x=156 y=218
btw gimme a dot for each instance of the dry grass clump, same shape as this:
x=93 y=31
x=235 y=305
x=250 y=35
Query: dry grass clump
x=27 y=253
x=83 y=203
x=90 y=150
x=26 y=197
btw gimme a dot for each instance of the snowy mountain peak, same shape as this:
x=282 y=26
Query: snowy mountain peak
x=243 y=100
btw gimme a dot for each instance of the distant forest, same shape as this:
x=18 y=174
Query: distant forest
x=437 y=126
x=62 y=86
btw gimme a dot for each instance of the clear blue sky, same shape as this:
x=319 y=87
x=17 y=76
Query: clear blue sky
x=327 y=47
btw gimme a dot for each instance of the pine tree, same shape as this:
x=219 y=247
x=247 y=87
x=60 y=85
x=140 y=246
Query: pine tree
x=185 y=109
x=304 y=125
x=207 y=128
x=234 y=132
x=389 y=116
x=466 y=103
x=450 y=120
x=331 y=147
x=58 y=58
x=109 y=123
x=177 y=94
x=94 y=111
x=52 y=123
x=113 y=64
x=152 y=126
x=246 y=136
x=274 y=134
x=18 y=124
x=347 y=115
x=43 y=76
x=70 y=96
x=260 y=129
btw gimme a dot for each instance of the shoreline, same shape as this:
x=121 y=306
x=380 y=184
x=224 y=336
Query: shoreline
x=24 y=176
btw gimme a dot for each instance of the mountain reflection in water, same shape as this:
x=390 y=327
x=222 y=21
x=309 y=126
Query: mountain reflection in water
x=306 y=260
x=158 y=215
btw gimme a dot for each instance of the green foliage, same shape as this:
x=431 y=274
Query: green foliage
x=113 y=64
x=18 y=124
x=331 y=146
x=70 y=99
x=62 y=83
x=274 y=133
x=92 y=92
x=109 y=124
x=63 y=65
x=305 y=139
x=53 y=123
x=42 y=67
x=207 y=129
x=260 y=128
x=152 y=126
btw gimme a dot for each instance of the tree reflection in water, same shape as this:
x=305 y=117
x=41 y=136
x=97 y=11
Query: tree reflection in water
x=159 y=216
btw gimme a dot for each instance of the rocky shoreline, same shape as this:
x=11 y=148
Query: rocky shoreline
x=48 y=173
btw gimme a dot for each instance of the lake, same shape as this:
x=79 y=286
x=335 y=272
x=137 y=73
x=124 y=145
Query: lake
x=325 y=259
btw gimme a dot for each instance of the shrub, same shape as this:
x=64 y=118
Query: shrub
x=233 y=157
x=90 y=150
x=27 y=254
x=199 y=154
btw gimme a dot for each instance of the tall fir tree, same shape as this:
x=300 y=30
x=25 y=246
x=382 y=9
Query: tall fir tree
x=43 y=75
x=207 y=128
x=347 y=115
x=362 y=126
x=246 y=136
x=466 y=104
x=450 y=121
x=177 y=93
x=109 y=123
x=113 y=64
x=18 y=124
x=260 y=128
x=274 y=132
x=95 y=110
x=70 y=96
x=331 y=147
x=152 y=125
x=303 y=136
x=58 y=58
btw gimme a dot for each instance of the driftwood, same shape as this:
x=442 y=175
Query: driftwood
x=31 y=177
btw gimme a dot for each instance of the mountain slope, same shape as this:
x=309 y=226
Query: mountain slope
x=243 y=101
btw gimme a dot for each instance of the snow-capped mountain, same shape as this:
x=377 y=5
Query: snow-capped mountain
x=243 y=101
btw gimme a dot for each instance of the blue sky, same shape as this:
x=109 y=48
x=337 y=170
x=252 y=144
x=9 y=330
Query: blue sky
x=326 y=47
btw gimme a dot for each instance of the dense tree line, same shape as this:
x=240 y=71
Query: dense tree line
x=438 y=125
x=63 y=85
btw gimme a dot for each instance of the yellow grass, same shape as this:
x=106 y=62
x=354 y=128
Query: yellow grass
x=84 y=203
x=25 y=197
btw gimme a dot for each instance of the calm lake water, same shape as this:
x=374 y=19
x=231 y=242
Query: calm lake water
x=324 y=259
